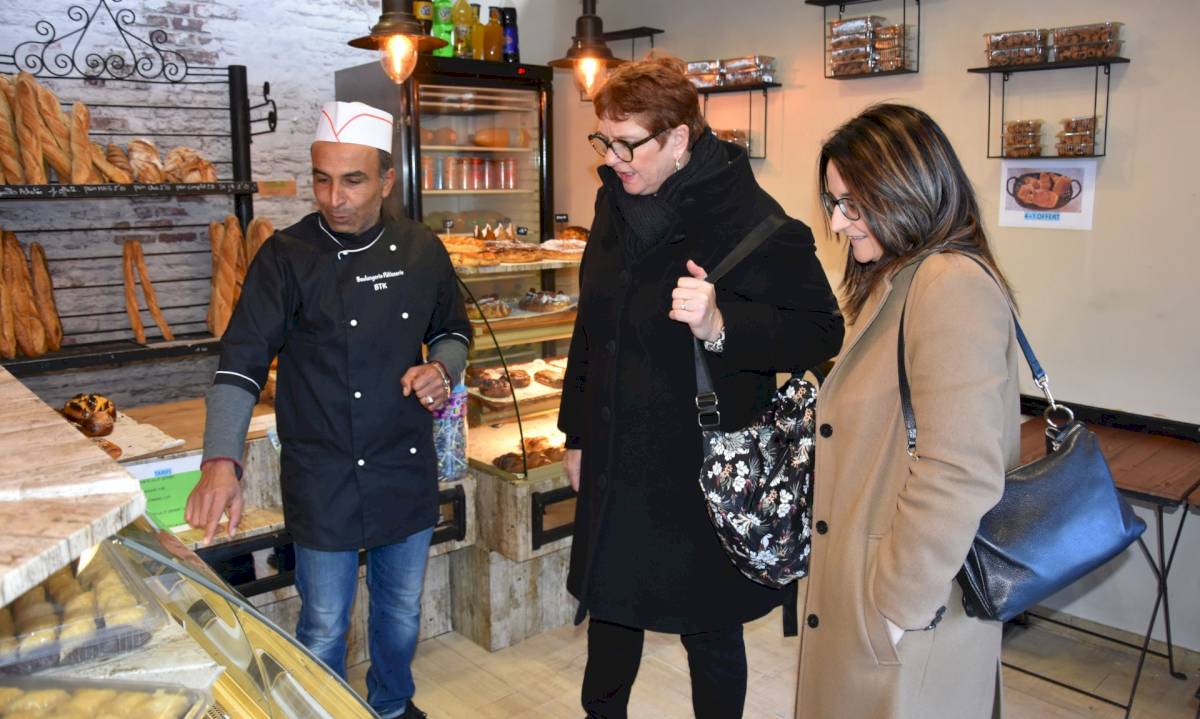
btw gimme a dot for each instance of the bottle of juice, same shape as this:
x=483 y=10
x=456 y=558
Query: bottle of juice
x=493 y=37
x=463 y=27
x=512 y=44
x=477 y=32
x=443 y=26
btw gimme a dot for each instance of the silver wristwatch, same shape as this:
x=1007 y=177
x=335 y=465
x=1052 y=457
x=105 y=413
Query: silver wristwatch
x=716 y=345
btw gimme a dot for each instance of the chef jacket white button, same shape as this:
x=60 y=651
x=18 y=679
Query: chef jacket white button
x=354 y=323
x=404 y=315
x=401 y=272
x=392 y=248
x=412 y=450
x=358 y=395
x=362 y=462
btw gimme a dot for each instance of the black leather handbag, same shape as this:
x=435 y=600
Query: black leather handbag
x=757 y=481
x=1059 y=518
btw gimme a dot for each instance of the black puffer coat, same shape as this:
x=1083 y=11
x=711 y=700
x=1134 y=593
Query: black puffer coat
x=644 y=553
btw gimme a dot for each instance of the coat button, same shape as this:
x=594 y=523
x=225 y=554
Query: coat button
x=403 y=315
x=412 y=450
x=358 y=395
x=354 y=323
x=813 y=621
x=822 y=527
x=392 y=248
x=611 y=348
x=826 y=430
x=362 y=462
x=605 y=414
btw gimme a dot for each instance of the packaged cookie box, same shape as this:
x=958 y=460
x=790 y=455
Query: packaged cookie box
x=865 y=25
x=72 y=618
x=1016 y=38
x=764 y=63
x=707 y=79
x=1084 y=34
x=1005 y=57
x=1080 y=123
x=700 y=67
x=70 y=698
x=856 y=67
x=1023 y=150
x=1076 y=144
x=1085 y=51
x=891 y=59
x=1022 y=132
x=844 y=42
x=747 y=77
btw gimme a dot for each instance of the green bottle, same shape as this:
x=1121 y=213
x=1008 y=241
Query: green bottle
x=443 y=26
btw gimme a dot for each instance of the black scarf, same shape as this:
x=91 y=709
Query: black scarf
x=650 y=217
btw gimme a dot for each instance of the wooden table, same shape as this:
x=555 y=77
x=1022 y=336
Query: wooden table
x=1163 y=471
x=185 y=420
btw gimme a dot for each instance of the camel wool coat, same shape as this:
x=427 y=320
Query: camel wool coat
x=891 y=532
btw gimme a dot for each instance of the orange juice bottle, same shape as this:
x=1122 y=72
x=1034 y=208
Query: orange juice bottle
x=493 y=37
x=477 y=33
x=463 y=27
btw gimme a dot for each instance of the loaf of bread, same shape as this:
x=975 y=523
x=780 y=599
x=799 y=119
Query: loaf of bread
x=43 y=295
x=10 y=152
x=131 y=303
x=183 y=164
x=259 y=231
x=216 y=235
x=226 y=250
x=111 y=172
x=29 y=130
x=57 y=159
x=81 y=149
x=139 y=260
x=144 y=158
x=117 y=158
x=8 y=337
x=53 y=118
x=235 y=250
x=27 y=323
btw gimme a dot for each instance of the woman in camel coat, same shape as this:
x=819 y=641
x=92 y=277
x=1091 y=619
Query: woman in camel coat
x=884 y=634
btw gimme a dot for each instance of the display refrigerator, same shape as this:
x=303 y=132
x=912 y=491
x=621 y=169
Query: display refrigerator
x=472 y=145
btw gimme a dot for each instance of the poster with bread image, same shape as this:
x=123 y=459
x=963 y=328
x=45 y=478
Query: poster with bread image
x=1056 y=194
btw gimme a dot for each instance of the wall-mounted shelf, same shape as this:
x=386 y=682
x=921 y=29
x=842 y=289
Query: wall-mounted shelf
x=118 y=353
x=762 y=87
x=910 y=64
x=1100 y=141
x=88 y=192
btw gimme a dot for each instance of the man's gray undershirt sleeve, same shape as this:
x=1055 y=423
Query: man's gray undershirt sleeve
x=453 y=354
x=227 y=419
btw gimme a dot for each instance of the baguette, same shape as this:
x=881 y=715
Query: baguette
x=110 y=171
x=10 y=152
x=234 y=250
x=259 y=231
x=43 y=295
x=27 y=324
x=29 y=130
x=216 y=235
x=118 y=158
x=8 y=88
x=81 y=150
x=224 y=296
x=8 y=337
x=55 y=157
x=143 y=157
x=148 y=292
x=131 y=303
x=53 y=118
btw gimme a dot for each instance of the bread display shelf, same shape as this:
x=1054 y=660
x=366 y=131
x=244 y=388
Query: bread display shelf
x=472 y=148
x=478 y=192
x=528 y=328
x=110 y=353
x=487 y=442
x=87 y=192
x=512 y=268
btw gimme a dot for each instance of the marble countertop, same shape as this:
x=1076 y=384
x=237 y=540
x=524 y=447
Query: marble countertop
x=59 y=492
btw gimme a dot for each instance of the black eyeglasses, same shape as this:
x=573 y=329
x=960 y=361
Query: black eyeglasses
x=623 y=150
x=848 y=206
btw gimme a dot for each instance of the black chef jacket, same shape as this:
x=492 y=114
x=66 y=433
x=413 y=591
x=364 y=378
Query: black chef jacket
x=347 y=316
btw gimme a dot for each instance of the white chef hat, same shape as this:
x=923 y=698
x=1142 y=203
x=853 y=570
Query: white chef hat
x=355 y=123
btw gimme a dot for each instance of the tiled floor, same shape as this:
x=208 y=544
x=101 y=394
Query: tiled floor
x=540 y=678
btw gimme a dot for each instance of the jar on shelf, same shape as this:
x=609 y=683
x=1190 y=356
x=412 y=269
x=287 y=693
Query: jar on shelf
x=477 y=175
x=508 y=173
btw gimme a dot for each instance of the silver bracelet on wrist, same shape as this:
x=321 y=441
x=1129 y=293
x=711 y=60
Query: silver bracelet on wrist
x=716 y=345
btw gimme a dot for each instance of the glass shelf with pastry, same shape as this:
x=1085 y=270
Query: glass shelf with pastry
x=72 y=644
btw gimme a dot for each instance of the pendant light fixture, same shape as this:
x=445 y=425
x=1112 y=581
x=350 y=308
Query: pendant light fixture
x=589 y=56
x=398 y=38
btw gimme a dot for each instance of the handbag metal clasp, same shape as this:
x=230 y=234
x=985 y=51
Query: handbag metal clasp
x=709 y=416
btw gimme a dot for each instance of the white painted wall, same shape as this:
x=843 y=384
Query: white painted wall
x=1112 y=312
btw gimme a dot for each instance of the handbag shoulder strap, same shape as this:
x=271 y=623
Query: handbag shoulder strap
x=708 y=415
x=906 y=408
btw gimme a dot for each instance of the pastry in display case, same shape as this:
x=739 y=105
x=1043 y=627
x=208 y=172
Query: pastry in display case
x=67 y=643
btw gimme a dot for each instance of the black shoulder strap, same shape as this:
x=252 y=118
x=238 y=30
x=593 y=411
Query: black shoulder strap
x=708 y=415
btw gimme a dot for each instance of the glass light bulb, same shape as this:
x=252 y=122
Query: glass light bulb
x=398 y=57
x=590 y=74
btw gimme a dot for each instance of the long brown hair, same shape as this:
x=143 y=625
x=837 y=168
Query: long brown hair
x=656 y=93
x=902 y=172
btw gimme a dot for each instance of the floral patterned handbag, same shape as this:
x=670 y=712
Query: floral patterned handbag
x=757 y=481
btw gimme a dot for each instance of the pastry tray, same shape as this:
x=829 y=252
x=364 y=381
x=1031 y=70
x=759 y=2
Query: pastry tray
x=487 y=442
x=193 y=706
x=101 y=639
x=520 y=314
x=535 y=391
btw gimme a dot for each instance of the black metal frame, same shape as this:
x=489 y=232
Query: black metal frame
x=841 y=6
x=1099 y=64
x=140 y=61
x=453 y=531
x=749 y=90
x=539 y=501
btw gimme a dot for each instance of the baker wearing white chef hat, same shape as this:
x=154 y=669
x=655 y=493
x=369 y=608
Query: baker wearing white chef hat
x=347 y=299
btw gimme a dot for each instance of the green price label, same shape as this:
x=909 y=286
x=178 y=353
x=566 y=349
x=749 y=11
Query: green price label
x=166 y=497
